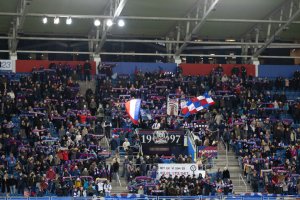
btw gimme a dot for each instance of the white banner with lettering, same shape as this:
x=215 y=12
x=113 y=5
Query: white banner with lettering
x=179 y=170
x=172 y=107
x=6 y=65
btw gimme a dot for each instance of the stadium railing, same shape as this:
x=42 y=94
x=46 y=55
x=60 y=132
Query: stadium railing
x=243 y=181
x=247 y=196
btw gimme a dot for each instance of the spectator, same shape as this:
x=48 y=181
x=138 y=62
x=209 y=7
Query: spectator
x=107 y=188
x=115 y=169
x=12 y=182
x=226 y=174
x=57 y=130
x=125 y=165
x=141 y=190
x=126 y=144
x=156 y=125
x=87 y=70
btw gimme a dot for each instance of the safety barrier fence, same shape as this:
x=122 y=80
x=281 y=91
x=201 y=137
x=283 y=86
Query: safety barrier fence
x=241 y=179
x=248 y=196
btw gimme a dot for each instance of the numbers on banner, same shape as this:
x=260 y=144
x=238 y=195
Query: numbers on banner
x=5 y=64
x=178 y=138
x=146 y=138
x=171 y=138
x=149 y=138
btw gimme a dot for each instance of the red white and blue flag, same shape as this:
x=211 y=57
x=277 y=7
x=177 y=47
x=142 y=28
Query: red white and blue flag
x=133 y=109
x=196 y=104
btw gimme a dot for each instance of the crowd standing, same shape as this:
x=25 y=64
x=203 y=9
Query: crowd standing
x=51 y=135
x=242 y=104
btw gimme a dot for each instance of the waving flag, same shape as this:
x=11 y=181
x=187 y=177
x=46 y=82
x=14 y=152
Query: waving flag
x=196 y=104
x=133 y=109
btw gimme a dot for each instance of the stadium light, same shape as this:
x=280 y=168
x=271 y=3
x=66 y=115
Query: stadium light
x=56 y=20
x=45 y=20
x=97 y=22
x=109 y=23
x=230 y=40
x=121 y=23
x=69 y=21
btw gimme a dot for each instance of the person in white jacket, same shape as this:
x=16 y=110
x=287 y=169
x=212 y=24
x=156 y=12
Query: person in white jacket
x=107 y=188
x=100 y=187
x=156 y=125
x=126 y=144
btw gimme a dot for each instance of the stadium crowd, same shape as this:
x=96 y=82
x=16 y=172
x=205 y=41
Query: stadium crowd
x=243 y=104
x=51 y=135
x=50 y=143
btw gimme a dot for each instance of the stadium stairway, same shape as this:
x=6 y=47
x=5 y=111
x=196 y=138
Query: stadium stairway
x=119 y=186
x=84 y=85
x=116 y=186
x=233 y=167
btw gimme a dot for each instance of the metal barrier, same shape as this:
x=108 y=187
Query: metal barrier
x=122 y=152
x=244 y=182
x=226 y=149
x=248 y=196
x=107 y=142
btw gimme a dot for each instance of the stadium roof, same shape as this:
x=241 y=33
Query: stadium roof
x=256 y=23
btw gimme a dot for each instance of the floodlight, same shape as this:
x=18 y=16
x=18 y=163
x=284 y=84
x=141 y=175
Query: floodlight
x=45 y=20
x=69 y=21
x=56 y=20
x=121 y=23
x=109 y=22
x=97 y=22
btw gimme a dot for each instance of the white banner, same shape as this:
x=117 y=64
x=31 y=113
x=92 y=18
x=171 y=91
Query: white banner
x=172 y=107
x=179 y=170
x=6 y=65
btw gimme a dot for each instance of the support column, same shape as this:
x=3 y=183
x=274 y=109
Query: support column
x=13 y=57
x=256 y=62
x=177 y=60
x=97 y=59
x=256 y=39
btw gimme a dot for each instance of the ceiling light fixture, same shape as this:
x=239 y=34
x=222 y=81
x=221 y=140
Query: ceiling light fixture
x=230 y=40
x=97 y=22
x=109 y=23
x=69 y=21
x=56 y=20
x=45 y=20
x=121 y=23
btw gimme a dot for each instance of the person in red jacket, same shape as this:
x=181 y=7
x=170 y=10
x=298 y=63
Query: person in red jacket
x=82 y=118
x=51 y=175
x=65 y=155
